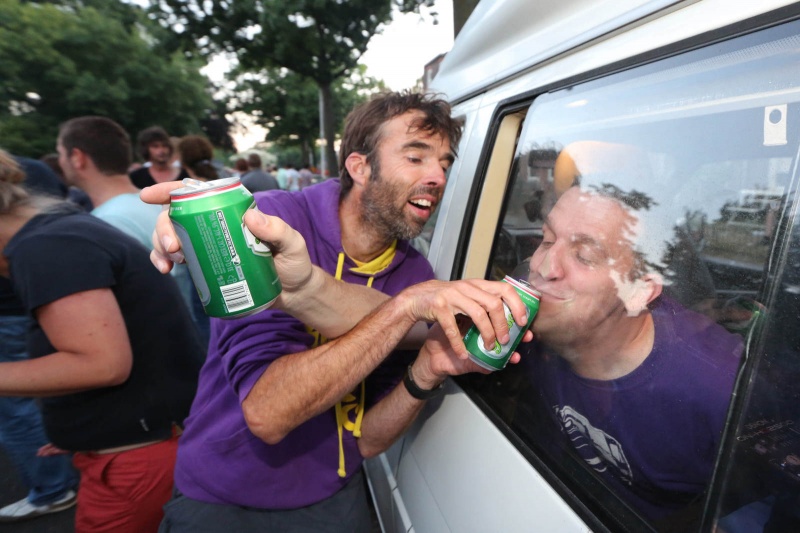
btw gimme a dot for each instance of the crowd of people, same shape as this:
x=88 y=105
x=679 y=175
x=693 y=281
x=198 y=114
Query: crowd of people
x=287 y=177
x=178 y=423
x=114 y=352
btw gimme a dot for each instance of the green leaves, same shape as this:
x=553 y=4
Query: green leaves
x=320 y=40
x=63 y=61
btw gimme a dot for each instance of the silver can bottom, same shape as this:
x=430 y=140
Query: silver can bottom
x=481 y=364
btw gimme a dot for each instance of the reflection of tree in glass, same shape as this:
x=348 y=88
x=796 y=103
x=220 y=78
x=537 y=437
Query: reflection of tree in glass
x=631 y=201
x=686 y=276
x=634 y=199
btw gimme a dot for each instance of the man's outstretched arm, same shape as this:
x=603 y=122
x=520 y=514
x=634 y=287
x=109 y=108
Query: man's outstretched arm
x=313 y=296
x=296 y=387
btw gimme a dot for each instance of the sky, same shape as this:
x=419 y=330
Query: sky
x=397 y=55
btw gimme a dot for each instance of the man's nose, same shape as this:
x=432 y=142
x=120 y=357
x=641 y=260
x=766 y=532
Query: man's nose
x=435 y=175
x=548 y=264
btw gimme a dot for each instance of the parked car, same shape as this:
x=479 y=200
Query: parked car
x=704 y=97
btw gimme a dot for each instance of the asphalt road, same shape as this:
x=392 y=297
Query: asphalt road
x=12 y=490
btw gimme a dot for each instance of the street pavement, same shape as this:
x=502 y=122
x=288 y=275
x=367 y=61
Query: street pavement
x=11 y=490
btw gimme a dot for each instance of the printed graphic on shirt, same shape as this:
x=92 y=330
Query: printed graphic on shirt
x=597 y=447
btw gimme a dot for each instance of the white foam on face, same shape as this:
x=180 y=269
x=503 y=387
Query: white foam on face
x=628 y=291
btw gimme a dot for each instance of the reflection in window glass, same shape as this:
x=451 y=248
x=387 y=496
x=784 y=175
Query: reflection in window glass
x=653 y=208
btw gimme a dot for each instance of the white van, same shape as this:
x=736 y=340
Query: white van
x=703 y=98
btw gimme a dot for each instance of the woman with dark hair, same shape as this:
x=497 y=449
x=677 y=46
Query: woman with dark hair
x=196 y=156
x=113 y=353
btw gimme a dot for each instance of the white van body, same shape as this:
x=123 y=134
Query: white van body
x=457 y=470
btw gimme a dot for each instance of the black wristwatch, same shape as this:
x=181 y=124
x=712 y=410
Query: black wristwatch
x=420 y=394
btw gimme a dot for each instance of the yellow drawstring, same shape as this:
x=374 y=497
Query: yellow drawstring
x=339 y=266
x=343 y=408
x=349 y=403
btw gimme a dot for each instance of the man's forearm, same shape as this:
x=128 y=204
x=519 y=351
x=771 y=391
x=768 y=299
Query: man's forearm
x=299 y=386
x=387 y=420
x=57 y=374
x=331 y=306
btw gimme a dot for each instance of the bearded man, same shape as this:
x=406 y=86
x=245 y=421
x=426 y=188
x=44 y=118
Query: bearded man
x=279 y=427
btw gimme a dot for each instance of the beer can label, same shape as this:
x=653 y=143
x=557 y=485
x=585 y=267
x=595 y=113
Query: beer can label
x=233 y=271
x=496 y=357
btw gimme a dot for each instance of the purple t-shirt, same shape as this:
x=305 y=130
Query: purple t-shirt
x=219 y=459
x=652 y=434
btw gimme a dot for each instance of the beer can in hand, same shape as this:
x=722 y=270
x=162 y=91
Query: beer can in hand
x=232 y=270
x=496 y=357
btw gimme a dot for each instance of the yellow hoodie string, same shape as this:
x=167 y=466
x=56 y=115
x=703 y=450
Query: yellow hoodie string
x=348 y=403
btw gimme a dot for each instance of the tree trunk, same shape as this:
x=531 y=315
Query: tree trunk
x=328 y=163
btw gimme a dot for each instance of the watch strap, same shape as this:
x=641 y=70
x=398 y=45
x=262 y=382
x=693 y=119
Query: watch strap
x=418 y=393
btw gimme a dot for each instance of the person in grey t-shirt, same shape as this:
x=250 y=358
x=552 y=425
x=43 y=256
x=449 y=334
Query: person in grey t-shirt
x=257 y=179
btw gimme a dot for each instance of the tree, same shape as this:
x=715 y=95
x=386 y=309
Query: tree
x=68 y=60
x=216 y=126
x=286 y=104
x=319 y=39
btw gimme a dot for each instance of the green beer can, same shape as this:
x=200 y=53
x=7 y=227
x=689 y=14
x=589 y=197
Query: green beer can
x=496 y=357
x=232 y=270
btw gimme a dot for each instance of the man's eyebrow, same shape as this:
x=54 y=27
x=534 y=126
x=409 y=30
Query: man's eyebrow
x=421 y=145
x=417 y=145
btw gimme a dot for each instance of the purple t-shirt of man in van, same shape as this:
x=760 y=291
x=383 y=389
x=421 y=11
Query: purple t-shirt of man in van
x=652 y=434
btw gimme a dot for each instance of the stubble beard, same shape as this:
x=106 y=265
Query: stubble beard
x=381 y=212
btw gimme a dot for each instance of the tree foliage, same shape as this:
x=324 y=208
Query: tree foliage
x=287 y=104
x=319 y=39
x=65 y=59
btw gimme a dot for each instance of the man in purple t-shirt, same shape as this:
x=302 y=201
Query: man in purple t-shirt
x=283 y=420
x=637 y=384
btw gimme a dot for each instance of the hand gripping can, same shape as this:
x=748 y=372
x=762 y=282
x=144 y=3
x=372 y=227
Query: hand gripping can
x=496 y=357
x=232 y=270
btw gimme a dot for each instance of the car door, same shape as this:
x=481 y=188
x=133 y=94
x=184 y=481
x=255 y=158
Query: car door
x=704 y=139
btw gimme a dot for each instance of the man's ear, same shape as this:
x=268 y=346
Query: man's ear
x=78 y=159
x=645 y=290
x=638 y=294
x=358 y=167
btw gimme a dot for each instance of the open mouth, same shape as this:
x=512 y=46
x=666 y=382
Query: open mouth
x=422 y=206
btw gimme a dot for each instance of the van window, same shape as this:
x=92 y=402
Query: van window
x=654 y=209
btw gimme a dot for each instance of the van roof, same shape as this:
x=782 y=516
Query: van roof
x=503 y=38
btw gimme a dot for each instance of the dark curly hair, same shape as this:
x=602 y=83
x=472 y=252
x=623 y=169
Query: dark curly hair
x=148 y=136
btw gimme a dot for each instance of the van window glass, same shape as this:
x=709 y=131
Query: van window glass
x=654 y=210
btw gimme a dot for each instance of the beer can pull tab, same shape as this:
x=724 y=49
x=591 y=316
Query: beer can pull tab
x=194 y=184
